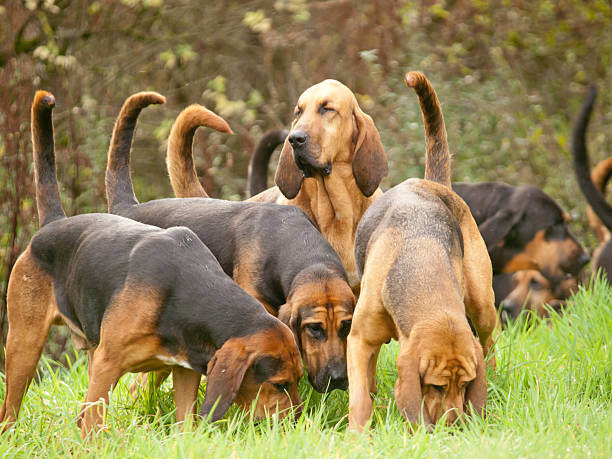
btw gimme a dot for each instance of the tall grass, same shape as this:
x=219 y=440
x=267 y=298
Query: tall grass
x=550 y=396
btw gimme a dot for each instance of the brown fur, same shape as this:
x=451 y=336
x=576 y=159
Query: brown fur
x=418 y=290
x=346 y=151
x=330 y=316
x=531 y=291
x=181 y=168
x=251 y=253
x=600 y=176
x=131 y=338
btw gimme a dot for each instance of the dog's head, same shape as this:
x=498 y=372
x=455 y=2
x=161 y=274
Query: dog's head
x=441 y=371
x=265 y=367
x=319 y=310
x=330 y=130
x=530 y=290
x=533 y=232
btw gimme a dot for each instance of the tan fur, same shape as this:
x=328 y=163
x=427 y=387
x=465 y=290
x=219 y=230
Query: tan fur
x=599 y=175
x=349 y=142
x=548 y=255
x=457 y=354
x=315 y=301
x=231 y=367
x=30 y=300
x=419 y=288
x=533 y=291
x=181 y=168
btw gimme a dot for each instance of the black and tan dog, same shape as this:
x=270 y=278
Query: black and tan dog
x=423 y=266
x=593 y=186
x=138 y=298
x=273 y=252
x=257 y=179
x=524 y=228
x=330 y=166
x=529 y=290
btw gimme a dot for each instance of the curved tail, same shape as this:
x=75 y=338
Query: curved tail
x=119 y=189
x=48 y=199
x=260 y=159
x=437 y=158
x=179 y=157
x=600 y=176
x=581 y=162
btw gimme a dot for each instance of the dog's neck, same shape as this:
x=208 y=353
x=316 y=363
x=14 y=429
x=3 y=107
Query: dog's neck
x=335 y=203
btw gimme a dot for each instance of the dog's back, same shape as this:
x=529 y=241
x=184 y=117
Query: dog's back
x=417 y=218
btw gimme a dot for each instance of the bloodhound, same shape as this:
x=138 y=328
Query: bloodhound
x=593 y=186
x=423 y=266
x=295 y=273
x=524 y=228
x=138 y=298
x=529 y=290
x=331 y=165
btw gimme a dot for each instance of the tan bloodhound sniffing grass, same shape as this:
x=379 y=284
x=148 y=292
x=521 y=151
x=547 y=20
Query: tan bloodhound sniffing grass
x=423 y=267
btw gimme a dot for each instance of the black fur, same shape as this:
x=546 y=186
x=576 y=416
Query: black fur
x=512 y=216
x=289 y=244
x=91 y=257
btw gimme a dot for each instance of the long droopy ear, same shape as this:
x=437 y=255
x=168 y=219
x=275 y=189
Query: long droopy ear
x=497 y=227
x=408 y=394
x=224 y=377
x=476 y=393
x=369 y=159
x=292 y=320
x=288 y=176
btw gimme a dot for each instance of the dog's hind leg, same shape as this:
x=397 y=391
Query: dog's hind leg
x=31 y=312
x=479 y=297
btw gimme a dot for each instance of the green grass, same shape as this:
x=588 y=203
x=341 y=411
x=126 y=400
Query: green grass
x=549 y=397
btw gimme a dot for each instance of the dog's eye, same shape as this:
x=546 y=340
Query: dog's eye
x=284 y=387
x=534 y=284
x=439 y=389
x=298 y=112
x=316 y=330
x=345 y=328
x=323 y=109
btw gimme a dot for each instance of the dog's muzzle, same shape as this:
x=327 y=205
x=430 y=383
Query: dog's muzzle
x=302 y=156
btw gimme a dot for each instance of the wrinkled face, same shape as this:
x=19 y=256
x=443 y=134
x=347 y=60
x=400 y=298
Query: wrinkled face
x=445 y=378
x=321 y=314
x=323 y=131
x=273 y=377
x=532 y=291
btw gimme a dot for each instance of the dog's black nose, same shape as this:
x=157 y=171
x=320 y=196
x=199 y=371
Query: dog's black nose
x=338 y=378
x=298 y=138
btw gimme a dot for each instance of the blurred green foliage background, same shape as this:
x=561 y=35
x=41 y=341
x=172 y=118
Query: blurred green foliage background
x=511 y=76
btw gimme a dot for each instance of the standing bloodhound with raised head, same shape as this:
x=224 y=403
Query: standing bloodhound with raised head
x=331 y=165
x=423 y=266
x=273 y=252
x=138 y=298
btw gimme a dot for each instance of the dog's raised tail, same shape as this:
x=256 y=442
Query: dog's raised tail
x=179 y=158
x=119 y=188
x=260 y=159
x=581 y=162
x=48 y=199
x=437 y=158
